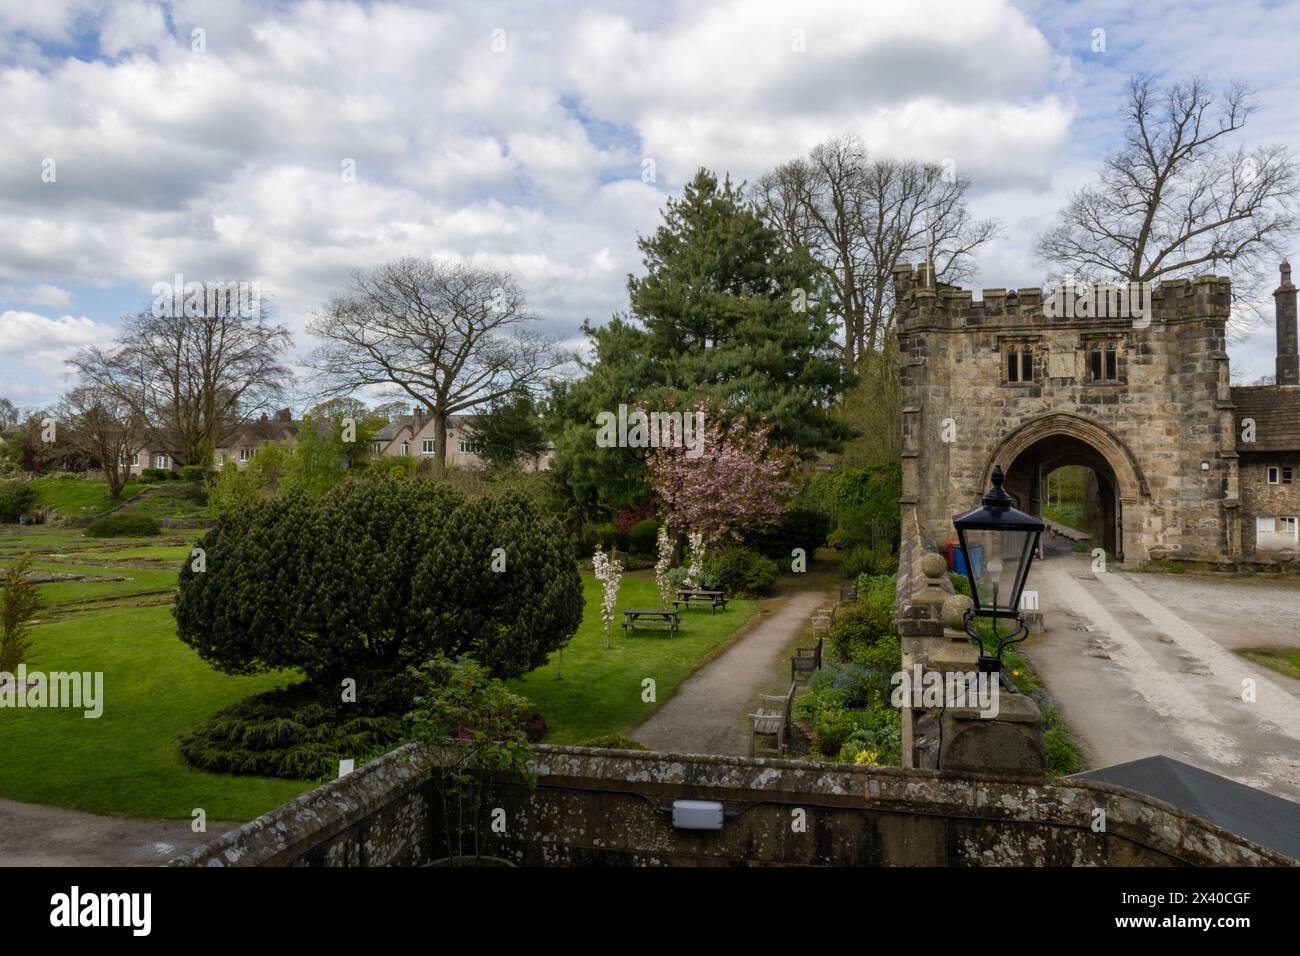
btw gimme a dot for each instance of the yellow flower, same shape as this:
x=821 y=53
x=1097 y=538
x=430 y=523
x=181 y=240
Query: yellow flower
x=866 y=758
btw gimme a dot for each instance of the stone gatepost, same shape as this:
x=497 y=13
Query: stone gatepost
x=962 y=738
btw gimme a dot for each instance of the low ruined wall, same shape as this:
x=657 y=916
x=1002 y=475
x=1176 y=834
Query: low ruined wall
x=611 y=807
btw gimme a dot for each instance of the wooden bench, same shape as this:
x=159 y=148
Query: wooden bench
x=771 y=719
x=655 y=618
x=806 y=660
x=689 y=596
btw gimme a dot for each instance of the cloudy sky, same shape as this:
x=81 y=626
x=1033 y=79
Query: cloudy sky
x=211 y=138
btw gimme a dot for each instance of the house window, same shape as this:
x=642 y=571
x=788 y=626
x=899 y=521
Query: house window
x=246 y=454
x=1103 y=362
x=1288 y=526
x=406 y=448
x=135 y=459
x=426 y=446
x=1020 y=364
x=1265 y=525
x=160 y=461
x=377 y=447
x=1286 y=476
x=469 y=447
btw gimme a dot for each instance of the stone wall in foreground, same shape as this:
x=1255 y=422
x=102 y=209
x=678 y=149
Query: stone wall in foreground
x=611 y=807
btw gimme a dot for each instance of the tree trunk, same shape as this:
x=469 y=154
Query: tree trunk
x=440 y=439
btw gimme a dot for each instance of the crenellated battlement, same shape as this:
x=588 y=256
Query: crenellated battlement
x=1205 y=297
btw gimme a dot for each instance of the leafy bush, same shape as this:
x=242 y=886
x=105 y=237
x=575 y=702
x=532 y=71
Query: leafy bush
x=960 y=583
x=643 y=536
x=861 y=502
x=194 y=473
x=124 y=524
x=380 y=574
x=615 y=742
x=1059 y=752
x=606 y=536
x=878 y=589
x=797 y=528
x=739 y=571
x=857 y=628
x=151 y=476
x=16 y=499
x=863 y=560
x=876 y=740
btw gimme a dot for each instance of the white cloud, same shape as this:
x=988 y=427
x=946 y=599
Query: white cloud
x=47 y=295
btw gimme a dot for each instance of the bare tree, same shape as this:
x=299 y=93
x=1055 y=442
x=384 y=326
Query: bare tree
x=859 y=218
x=450 y=336
x=1173 y=201
x=105 y=428
x=192 y=378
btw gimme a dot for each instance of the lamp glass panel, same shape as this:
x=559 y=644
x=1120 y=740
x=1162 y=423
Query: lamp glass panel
x=995 y=560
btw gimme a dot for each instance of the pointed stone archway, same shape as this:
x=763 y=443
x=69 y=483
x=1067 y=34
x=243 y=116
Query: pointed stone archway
x=1039 y=446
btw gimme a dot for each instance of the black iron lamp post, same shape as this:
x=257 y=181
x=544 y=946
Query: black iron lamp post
x=998 y=544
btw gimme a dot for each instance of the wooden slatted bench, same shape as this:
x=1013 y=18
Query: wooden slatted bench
x=655 y=618
x=771 y=719
x=689 y=596
x=806 y=660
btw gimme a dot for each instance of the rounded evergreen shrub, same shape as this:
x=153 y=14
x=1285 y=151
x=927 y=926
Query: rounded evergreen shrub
x=153 y=475
x=380 y=574
x=194 y=473
x=739 y=571
x=124 y=524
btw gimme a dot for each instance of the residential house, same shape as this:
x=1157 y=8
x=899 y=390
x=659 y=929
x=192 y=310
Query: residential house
x=415 y=435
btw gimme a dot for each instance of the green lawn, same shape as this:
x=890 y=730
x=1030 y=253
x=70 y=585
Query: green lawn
x=78 y=497
x=126 y=761
x=1284 y=660
x=589 y=691
x=156 y=687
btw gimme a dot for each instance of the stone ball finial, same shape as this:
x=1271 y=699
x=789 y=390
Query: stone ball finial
x=933 y=565
x=954 y=610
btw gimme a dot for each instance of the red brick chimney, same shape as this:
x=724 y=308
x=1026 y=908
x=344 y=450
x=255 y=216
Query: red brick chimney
x=1288 y=363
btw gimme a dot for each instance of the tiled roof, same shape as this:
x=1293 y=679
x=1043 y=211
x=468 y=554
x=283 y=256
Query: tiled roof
x=1276 y=411
x=394 y=428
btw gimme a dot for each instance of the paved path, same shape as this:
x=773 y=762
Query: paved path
x=707 y=715
x=36 y=835
x=1142 y=664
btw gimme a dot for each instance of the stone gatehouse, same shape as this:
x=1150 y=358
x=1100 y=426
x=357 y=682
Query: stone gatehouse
x=1186 y=465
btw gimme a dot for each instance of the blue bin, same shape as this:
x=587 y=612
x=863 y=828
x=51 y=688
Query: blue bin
x=959 y=560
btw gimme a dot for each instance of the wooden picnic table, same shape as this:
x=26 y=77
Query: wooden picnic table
x=651 y=617
x=689 y=596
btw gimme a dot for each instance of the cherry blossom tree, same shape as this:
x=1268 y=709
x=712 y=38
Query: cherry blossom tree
x=609 y=572
x=730 y=484
x=663 y=565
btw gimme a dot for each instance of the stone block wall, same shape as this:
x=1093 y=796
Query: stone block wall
x=609 y=807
